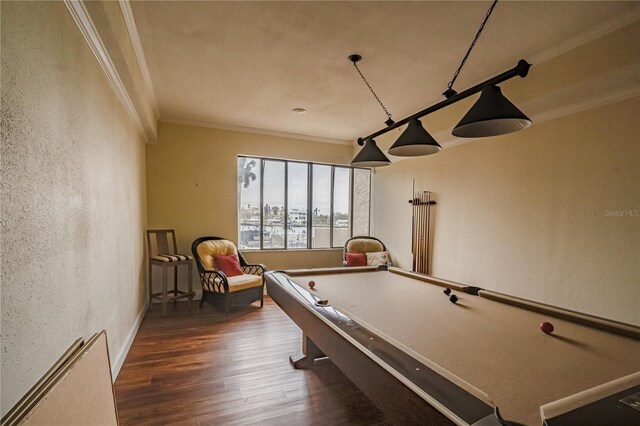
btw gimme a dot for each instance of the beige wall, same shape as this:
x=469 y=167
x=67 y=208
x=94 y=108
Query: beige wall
x=191 y=178
x=73 y=198
x=535 y=213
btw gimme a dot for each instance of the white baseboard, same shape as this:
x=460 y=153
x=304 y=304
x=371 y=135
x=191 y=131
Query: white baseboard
x=124 y=350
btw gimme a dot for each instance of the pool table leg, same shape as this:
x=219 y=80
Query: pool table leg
x=310 y=352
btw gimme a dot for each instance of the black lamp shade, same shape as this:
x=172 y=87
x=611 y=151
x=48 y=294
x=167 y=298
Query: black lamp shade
x=414 y=141
x=492 y=115
x=370 y=156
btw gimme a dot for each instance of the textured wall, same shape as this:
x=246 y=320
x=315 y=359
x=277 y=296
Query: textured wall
x=191 y=179
x=73 y=197
x=532 y=214
x=551 y=213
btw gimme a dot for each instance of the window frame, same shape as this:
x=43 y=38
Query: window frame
x=309 y=165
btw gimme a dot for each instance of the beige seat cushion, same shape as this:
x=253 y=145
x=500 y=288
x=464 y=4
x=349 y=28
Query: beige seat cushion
x=364 y=245
x=208 y=249
x=240 y=282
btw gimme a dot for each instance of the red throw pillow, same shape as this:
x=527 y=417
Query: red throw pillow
x=356 y=259
x=230 y=265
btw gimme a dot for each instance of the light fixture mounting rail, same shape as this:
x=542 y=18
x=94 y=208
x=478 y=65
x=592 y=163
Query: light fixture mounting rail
x=520 y=70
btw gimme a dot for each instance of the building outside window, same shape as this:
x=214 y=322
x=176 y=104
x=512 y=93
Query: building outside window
x=286 y=204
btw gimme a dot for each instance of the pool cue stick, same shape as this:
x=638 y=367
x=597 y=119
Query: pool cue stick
x=432 y=202
x=419 y=268
x=415 y=232
x=413 y=224
x=426 y=232
x=418 y=231
x=416 y=202
x=422 y=230
x=426 y=269
x=426 y=239
x=418 y=226
x=419 y=223
x=427 y=197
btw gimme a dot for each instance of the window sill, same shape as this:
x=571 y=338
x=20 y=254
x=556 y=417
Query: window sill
x=297 y=250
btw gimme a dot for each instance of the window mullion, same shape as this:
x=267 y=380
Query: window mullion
x=351 y=179
x=262 y=164
x=333 y=176
x=286 y=203
x=369 y=206
x=309 y=205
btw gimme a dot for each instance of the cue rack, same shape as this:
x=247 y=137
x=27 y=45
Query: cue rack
x=421 y=230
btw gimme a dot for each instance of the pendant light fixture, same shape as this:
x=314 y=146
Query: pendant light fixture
x=370 y=156
x=414 y=141
x=493 y=114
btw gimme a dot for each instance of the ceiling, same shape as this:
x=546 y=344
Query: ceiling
x=248 y=64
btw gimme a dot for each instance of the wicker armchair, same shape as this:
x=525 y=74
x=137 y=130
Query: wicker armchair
x=217 y=288
x=362 y=244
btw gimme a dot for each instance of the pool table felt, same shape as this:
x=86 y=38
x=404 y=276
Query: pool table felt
x=493 y=346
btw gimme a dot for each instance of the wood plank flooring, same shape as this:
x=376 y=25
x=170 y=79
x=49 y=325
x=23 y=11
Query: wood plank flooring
x=202 y=368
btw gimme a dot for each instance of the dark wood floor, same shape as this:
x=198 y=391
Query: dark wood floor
x=202 y=368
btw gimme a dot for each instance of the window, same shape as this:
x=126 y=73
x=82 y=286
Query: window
x=341 y=206
x=321 y=206
x=297 y=192
x=298 y=205
x=273 y=204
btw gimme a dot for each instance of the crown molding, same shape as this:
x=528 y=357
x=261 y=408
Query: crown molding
x=595 y=33
x=222 y=126
x=82 y=19
x=587 y=104
x=134 y=36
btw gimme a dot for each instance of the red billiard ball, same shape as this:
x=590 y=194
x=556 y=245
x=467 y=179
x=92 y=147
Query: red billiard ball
x=312 y=284
x=546 y=327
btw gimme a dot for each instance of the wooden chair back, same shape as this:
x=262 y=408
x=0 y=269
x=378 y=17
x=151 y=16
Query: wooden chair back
x=161 y=241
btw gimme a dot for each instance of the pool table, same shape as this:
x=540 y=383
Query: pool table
x=481 y=361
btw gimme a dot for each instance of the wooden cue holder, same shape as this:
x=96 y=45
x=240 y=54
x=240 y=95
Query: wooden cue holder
x=421 y=230
x=416 y=202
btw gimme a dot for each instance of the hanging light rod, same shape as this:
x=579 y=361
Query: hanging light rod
x=520 y=70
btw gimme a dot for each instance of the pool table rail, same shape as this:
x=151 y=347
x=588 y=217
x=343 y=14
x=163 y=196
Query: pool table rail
x=612 y=326
x=407 y=390
x=602 y=404
x=356 y=269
